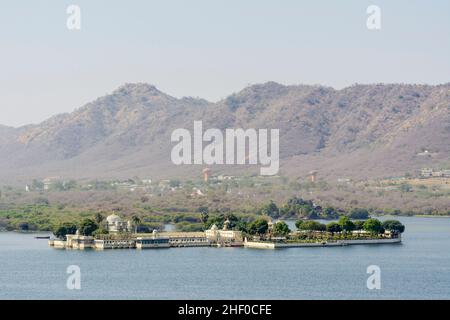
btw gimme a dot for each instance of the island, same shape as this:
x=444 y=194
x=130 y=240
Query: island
x=262 y=233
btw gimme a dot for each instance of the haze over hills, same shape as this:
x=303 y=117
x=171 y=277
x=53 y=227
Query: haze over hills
x=363 y=131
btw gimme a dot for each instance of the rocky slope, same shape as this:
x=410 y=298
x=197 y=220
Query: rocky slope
x=362 y=131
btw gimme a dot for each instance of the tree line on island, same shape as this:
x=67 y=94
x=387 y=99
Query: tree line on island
x=305 y=211
x=260 y=226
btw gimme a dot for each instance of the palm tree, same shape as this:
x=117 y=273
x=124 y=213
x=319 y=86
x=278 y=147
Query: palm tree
x=136 y=221
x=98 y=218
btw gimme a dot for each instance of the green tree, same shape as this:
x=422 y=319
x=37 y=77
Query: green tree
x=330 y=213
x=358 y=213
x=87 y=227
x=334 y=227
x=258 y=226
x=281 y=229
x=359 y=224
x=232 y=219
x=204 y=217
x=217 y=220
x=204 y=214
x=346 y=224
x=312 y=226
x=65 y=228
x=299 y=207
x=100 y=231
x=271 y=210
x=307 y=210
x=373 y=226
x=298 y=224
x=242 y=226
x=136 y=222
x=98 y=218
x=394 y=225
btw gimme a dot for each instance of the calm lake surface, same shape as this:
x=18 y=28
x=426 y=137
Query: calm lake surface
x=419 y=268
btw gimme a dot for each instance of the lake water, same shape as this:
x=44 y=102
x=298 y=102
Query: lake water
x=419 y=268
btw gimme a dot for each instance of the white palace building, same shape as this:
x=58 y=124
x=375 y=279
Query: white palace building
x=118 y=238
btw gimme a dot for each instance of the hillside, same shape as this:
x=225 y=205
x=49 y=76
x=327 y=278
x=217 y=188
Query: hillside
x=363 y=131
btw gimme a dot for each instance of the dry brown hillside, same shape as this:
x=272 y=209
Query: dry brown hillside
x=361 y=131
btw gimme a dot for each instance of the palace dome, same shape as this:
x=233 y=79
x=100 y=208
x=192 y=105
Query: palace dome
x=113 y=219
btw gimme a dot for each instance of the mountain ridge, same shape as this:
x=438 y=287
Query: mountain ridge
x=127 y=132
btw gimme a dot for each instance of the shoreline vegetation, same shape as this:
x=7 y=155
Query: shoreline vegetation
x=188 y=205
x=47 y=218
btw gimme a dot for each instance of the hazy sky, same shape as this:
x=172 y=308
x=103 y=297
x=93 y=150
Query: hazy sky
x=209 y=48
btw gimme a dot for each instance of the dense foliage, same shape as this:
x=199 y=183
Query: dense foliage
x=64 y=229
x=393 y=225
x=281 y=229
x=87 y=227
